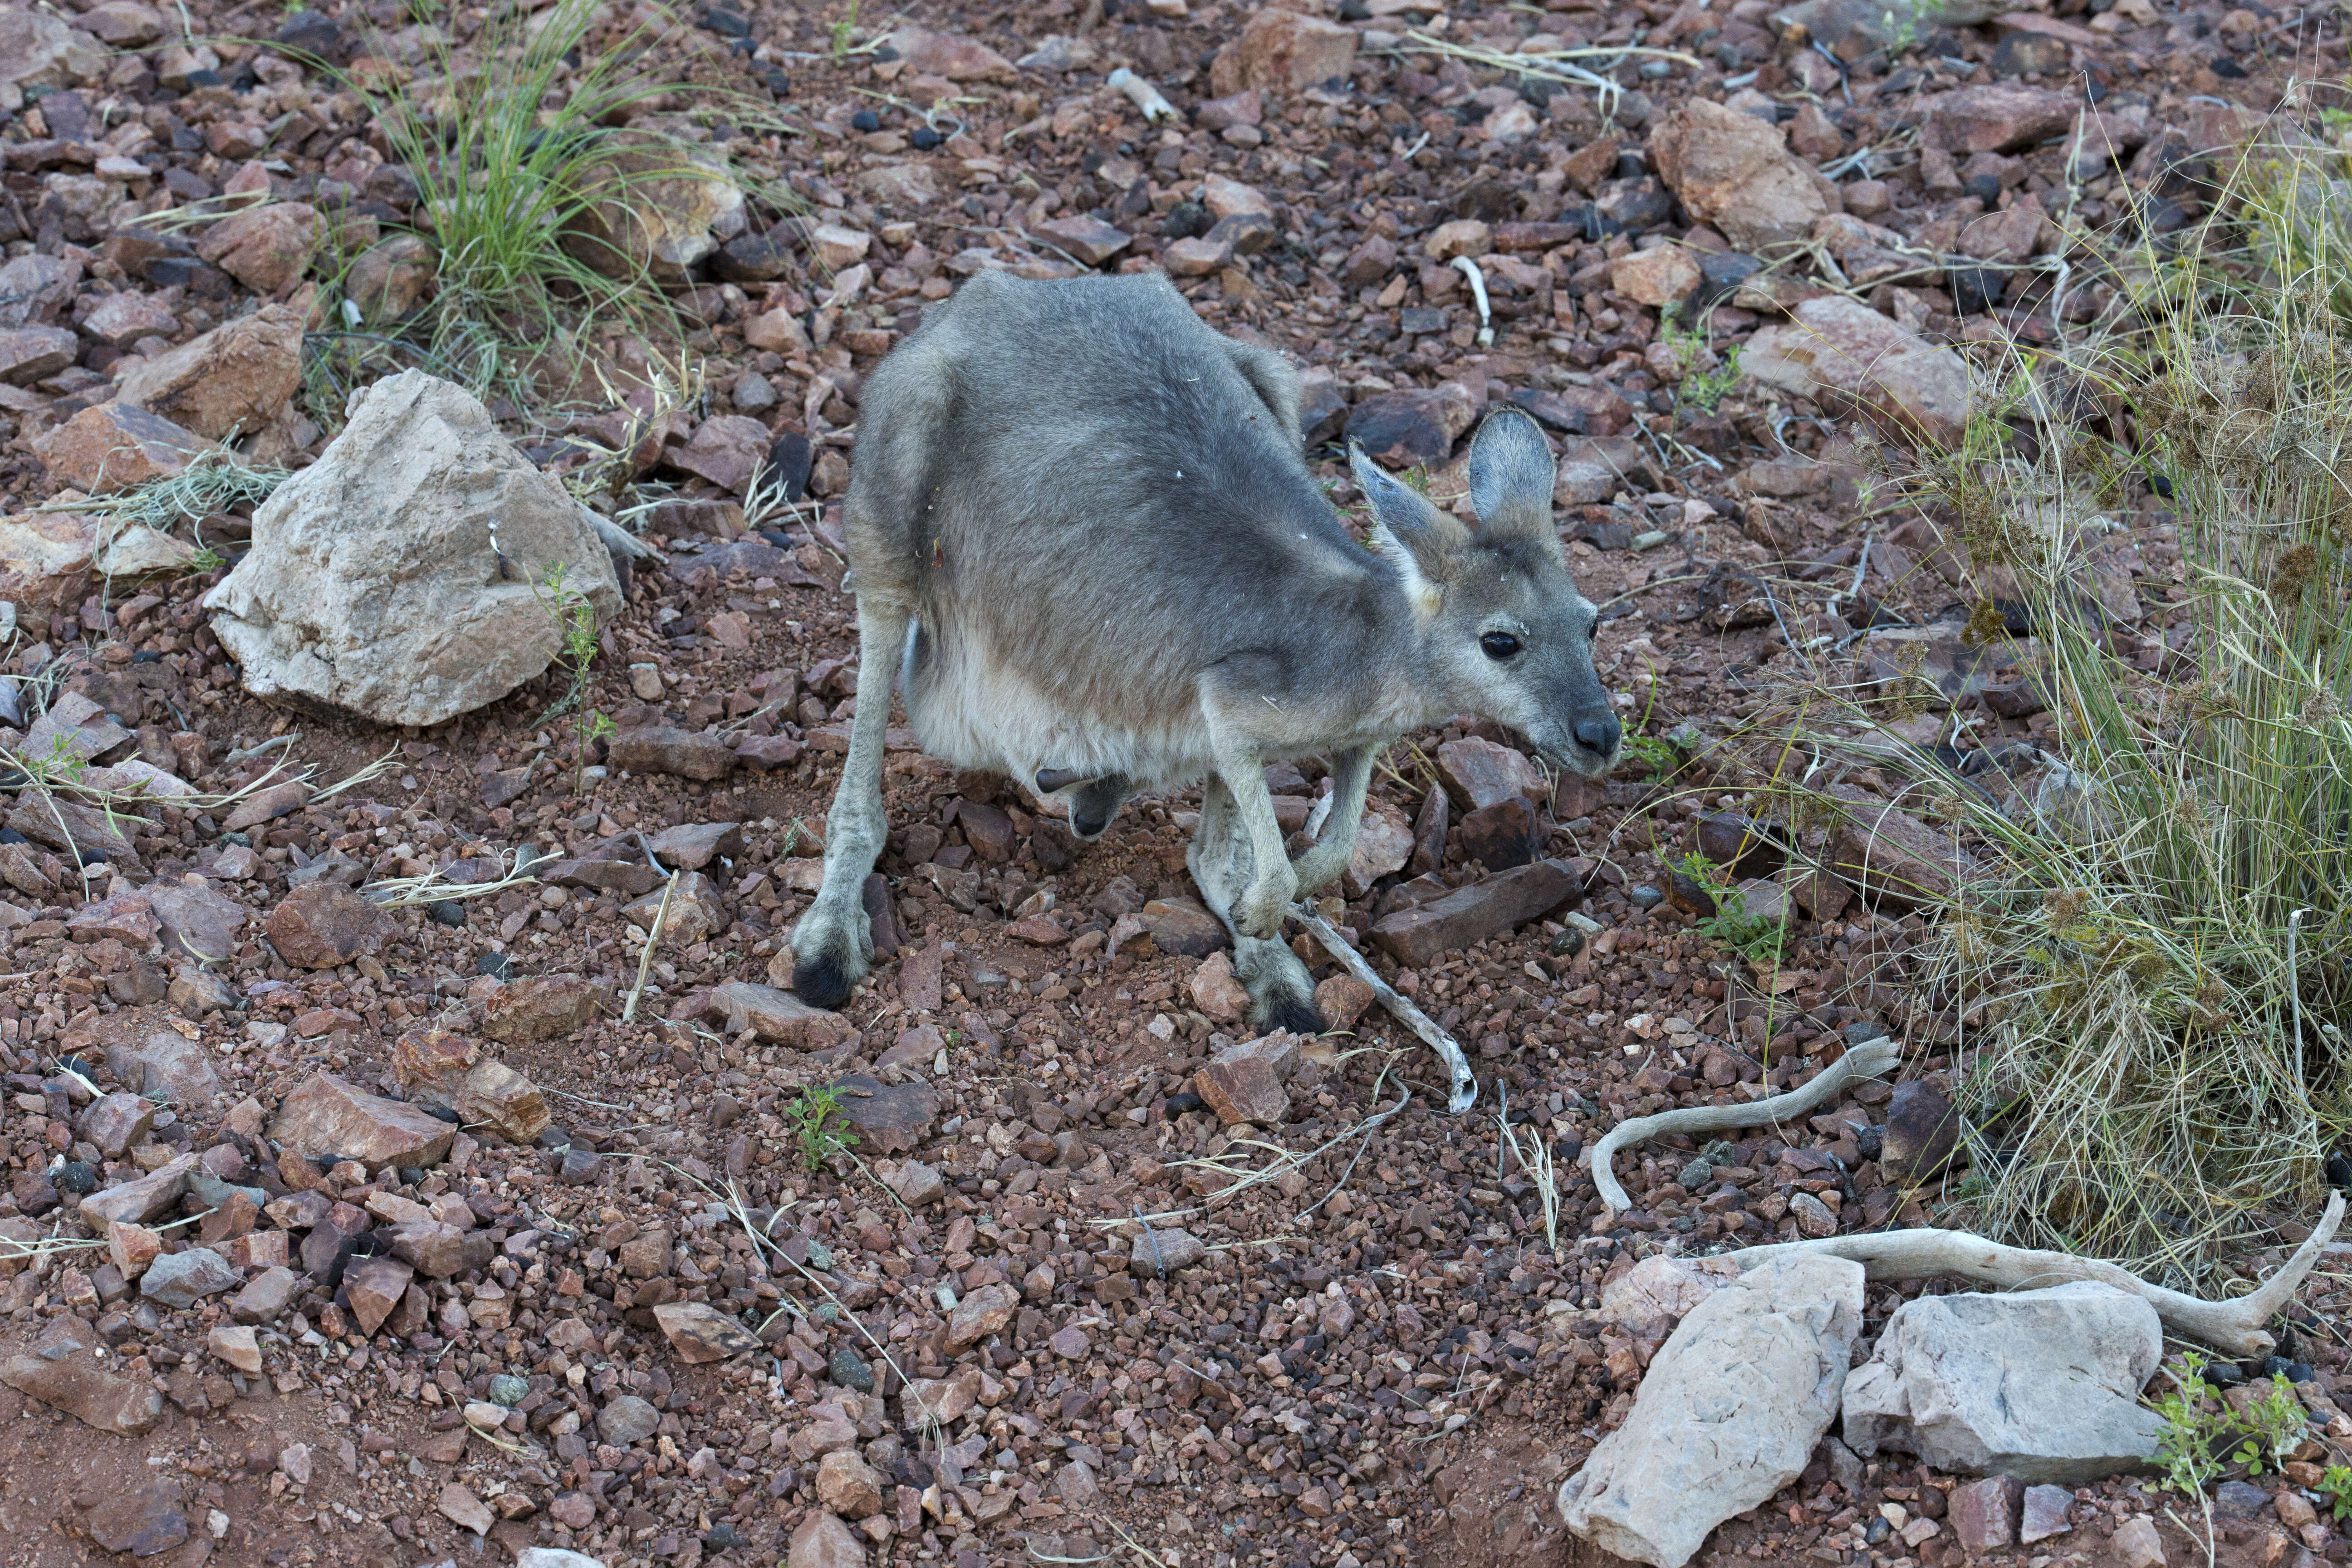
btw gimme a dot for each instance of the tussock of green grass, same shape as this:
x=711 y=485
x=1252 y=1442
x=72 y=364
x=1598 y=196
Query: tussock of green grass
x=2153 y=973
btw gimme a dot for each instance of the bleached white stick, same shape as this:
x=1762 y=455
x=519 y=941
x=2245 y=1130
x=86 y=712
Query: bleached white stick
x=2234 y=1326
x=1143 y=95
x=1865 y=1061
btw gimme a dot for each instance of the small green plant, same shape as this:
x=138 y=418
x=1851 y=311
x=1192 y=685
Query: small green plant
x=840 y=32
x=1759 y=938
x=818 y=1126
x=2196 y=1431
x=2335 y=1486
x=1706 y=390
x=1653 y=754
x=2274 y=1428
x=575 y=623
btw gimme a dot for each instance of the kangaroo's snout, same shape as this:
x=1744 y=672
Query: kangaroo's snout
x=1599 y=735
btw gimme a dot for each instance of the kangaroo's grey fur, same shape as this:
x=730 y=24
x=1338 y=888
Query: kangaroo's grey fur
x=1083 y=533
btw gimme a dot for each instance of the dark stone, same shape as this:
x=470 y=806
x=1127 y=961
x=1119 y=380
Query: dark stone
x=497 y=966
x=1322 y=413
x=847 y=1371
x=309 y=32
x=2021 y=54
x=751 y=259
x=446 y=911
x=1634 y=205
x=1738 y=844
x=1185 y=220
x=578 y=1168
x=1403 y=428
x=78 y=1177
x=1720 y=275
x=887 y=1120
x=1503 y=835
x=925 y=139
x=866 y=119
x=1419 y=321
x=789 y=459
x=1644 y=897
x=1974 y=289
x=1179 y=1104
x=1922 y=1131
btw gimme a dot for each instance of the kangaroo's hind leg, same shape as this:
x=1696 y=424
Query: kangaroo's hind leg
x=1282 y=995
x=833 y=945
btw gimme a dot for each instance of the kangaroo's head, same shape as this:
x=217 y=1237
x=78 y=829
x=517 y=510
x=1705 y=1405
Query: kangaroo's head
x=1504 y=633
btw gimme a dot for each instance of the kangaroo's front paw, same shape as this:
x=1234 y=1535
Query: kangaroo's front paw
x=830 y=955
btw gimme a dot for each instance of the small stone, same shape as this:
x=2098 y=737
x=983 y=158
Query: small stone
x=1075 y=1484
x=1509 y=898
x=266 y=1296
x=1923 y=1129
x=1183 y=928
x=664 y=749
x=541 y=1007
x=264 y=247
x=1244 y=1081
x=626 y=1419
x=126 y=1406
x=144 y=1521
x=847 y=1485
x=824 y=1541
x=466 y=1510
x=698 y=1333
x=322 y=925
x=777 y=1017
x=114 y=1122
x=2046 y=1514
x=328 y=1116
x=888 y=1119
x=1164 y=1250
x=916 y=1184
x=982 y=1312
x=1814 y=1220
x=844 y=1370
x=235 y=1344
x=375 y=1286
x=1983 y=1514
x=1215 y=991
x=508 y=1391
x=1342 y=1000
x=1089 y=240
x=694 y=911
x=183 y=1278
x=2138 y=1544
x=1282 y=52
x=295 y=1461
x=133 y=1248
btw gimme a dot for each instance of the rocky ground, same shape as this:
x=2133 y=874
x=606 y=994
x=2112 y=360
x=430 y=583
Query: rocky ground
x=340 y=1230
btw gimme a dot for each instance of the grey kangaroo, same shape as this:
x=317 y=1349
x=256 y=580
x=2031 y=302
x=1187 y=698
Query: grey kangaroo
x=1086 y=543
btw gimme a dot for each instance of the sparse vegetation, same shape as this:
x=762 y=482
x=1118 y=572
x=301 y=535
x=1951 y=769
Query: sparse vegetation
x=575 y=623
x=818 y=1129
x=2151 y=958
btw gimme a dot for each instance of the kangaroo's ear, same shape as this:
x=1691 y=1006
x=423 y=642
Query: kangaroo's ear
x=1433 y=541
x=1511 y=472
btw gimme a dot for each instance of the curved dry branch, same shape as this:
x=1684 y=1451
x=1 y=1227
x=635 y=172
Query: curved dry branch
x=1865 y=1061
x=2234 y=1326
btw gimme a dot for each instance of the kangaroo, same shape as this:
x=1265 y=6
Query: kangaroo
x=1085 y=542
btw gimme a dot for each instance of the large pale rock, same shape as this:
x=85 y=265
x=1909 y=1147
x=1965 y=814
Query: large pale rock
x=649 y=208
x=927 y=53
x=1842 y=350
x=2040 y=1385
x=328 y=1116
x=1735 y=171
x=236 y=377
x=1728 y=1415
x=45 y=562
x=1282 y=51
x=374 y=585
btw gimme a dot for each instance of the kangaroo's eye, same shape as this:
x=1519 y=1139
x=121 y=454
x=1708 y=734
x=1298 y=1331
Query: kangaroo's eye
x=1499 y=645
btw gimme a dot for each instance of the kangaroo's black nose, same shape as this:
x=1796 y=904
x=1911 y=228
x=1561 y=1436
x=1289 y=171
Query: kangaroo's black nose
x=1599 y=734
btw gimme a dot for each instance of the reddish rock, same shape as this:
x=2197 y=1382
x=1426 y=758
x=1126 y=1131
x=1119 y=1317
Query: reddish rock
x=1842 y=350
x=1503 y=835
x=1342 y=1000
x=322 y=924
x=125 y=917
x=1500 y=903
x=847 y=1485
x=115 y=446
x=1983 y=1514
x=726 y=449
x=265 y=806
x=1923 y=1129
x=266 y=248
x=144 y=1198
x=700 y=1334
x=824 y=1541
x=45 y=562
x=129 y=1407
x=540 y=1008
x=982 y=1312
x=195 y=917
x=1089 y=241
x=1244 y=1081
x=1215 y=991
x=114 y=1122
x=143 y=1521
x=28 y=355
x=375 y=1286
x=927 y=53
x=1892 y=855
x=328 y=1116
x=1281 y=51
x=664 y=749
x=2001 y=117
x=236 y=376
x=1734 y=173
x=775 y=1016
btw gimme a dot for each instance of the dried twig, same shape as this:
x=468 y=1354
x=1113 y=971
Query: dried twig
x=645 y=959
x=2233 y=1326
x=1464 y=1092
x=1866 y=1060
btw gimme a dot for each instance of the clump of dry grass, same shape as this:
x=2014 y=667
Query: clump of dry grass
x=2152 y=966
